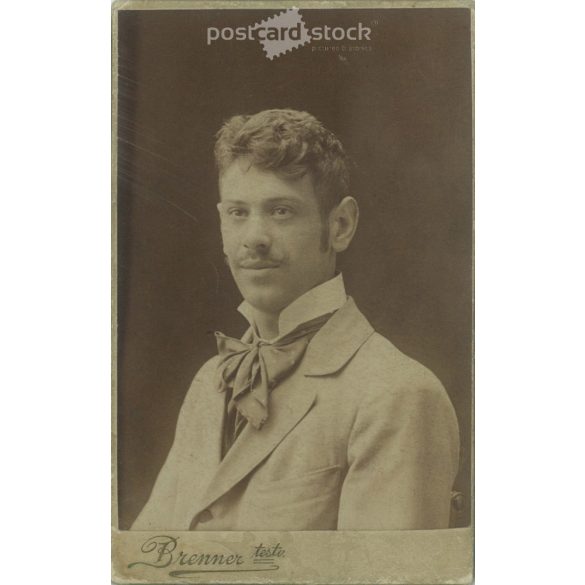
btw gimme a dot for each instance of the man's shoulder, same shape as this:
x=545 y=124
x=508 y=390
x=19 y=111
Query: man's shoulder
x=208 y=369
x=386 y=381
x=385 y=368
x=384 y=355
x=368 y=360
x=204 y=379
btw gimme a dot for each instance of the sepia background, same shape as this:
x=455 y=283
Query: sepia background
x=403 y=111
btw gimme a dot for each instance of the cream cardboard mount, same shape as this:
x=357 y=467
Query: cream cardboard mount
x=394 y=81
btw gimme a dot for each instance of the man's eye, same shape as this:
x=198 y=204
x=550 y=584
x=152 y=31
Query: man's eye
x=282 y=212
x=237 y=212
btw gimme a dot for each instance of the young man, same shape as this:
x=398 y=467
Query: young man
x=312 y=421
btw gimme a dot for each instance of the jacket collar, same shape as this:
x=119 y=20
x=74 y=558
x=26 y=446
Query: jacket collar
x=337 y=341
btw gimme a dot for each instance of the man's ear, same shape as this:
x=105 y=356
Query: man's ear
x=343 y=221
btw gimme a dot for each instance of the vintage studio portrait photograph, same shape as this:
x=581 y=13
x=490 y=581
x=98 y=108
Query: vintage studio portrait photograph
x=294 y=223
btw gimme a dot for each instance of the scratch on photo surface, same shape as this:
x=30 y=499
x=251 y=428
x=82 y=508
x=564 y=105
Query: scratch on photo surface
x=146 y=193
x=148 y=151
x=170 y=203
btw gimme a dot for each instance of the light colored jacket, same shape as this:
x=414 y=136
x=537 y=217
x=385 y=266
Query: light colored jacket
x=359 y=437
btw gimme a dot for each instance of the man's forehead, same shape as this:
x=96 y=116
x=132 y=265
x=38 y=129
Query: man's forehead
x=242 y=180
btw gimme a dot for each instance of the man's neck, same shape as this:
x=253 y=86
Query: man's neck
x=267 y=324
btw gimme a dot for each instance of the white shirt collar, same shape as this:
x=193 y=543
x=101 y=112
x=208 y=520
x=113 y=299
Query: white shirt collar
x=320 y=300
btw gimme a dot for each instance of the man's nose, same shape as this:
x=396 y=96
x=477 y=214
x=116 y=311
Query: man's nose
x=257 y=234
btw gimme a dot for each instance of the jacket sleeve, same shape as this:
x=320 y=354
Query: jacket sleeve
x=159 y=510
x=161 y=503
x=402 y=459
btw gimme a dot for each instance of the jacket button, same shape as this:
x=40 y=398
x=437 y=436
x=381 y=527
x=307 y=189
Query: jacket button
x=205 y=516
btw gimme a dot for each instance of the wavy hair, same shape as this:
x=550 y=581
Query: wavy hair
x=291 y=144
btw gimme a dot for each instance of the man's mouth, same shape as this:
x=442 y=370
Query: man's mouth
x=257 y=265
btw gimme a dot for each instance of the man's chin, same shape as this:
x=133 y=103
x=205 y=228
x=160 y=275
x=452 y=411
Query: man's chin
x=265 y=298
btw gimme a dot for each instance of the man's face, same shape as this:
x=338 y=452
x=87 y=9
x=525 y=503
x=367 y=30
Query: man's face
x=271 y=230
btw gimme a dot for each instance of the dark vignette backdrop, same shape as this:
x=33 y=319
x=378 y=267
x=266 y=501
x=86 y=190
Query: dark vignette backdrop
x=403 y=111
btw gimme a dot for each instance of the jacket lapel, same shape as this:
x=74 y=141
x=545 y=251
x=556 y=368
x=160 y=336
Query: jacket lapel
x=289 y=403
x=337 y=341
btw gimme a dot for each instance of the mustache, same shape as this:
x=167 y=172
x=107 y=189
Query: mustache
x=258 y=261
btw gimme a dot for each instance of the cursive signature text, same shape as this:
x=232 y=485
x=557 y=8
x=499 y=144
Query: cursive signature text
x=163 y=552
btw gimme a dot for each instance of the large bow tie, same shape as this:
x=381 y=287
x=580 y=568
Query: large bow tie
x=252 y=368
